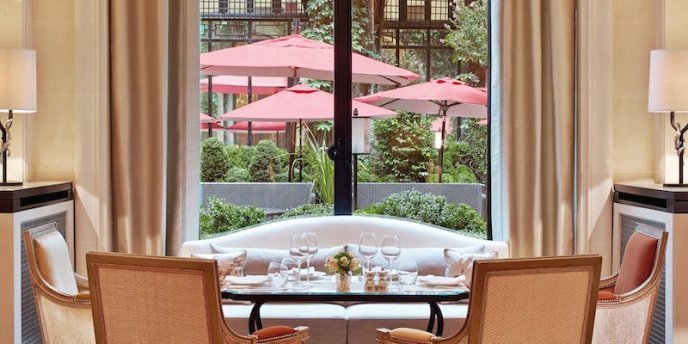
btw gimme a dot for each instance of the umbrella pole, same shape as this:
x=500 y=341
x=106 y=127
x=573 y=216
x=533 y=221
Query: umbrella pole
x=210 y=104
x=300 y=150
x=249 y=139
x=444 y=124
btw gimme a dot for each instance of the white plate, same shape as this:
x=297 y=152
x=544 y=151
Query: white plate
x=312 y=275
x=440 y=281
x=252 y=281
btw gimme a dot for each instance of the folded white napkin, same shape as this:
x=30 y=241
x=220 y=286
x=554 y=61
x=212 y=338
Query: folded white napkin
x=255 y=280
x=441 y=281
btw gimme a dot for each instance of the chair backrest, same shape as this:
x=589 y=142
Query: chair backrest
x=643 y=255
x=541 y=300
x=51 y=257
x=64 y=316
x=142 y=299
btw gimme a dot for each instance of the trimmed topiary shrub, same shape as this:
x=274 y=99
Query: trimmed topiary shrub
x=218 y=216
x=240 y=156
x=214 y=162
x=237 y=175
x=406 y=157
x=267 y=162
x=432 y=209
x=309 y=210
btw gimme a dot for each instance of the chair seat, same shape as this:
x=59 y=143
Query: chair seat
x=411 y=334
x=274 y=332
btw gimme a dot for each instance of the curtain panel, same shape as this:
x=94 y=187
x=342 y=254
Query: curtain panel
x=537 y=126
x=154 y=73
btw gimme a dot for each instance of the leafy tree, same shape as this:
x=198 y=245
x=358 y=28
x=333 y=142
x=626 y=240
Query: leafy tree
x=403 y=147
x=268 y=162
x=469 y=152
x=214 y=162
x=321 y=24
x=468 y=36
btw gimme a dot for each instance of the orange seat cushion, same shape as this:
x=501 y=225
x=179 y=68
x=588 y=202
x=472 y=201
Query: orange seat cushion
x=273 y=331
x=604 y=295
x=637 y=263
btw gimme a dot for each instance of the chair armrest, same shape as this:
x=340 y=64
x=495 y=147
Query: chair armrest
x=81 y=282
x=84 y=296
x=608 y=282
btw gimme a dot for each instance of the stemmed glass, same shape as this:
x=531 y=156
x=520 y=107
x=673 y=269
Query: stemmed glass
x=390 y=249
x=312 y=240
x=367 y=247
x=299 y=251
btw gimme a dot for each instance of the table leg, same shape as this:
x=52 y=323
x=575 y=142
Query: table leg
x=436 y=313
x=254 y=322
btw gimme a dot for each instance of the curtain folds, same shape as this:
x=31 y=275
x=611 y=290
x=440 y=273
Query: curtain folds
x=538 y=125
x=153 y=60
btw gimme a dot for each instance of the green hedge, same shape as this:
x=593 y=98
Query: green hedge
x=218 y=216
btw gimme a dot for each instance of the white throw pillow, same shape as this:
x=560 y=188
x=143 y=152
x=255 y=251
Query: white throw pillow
x=461 y=263
x=258 y=259
x=430 y=260
x=228 y=264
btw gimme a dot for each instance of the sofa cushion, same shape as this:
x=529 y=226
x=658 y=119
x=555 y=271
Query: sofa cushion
x=638 y=261
x=430 y=260
x=258 y=259
x=460 y=263
x=228 y=264
x=326 y=322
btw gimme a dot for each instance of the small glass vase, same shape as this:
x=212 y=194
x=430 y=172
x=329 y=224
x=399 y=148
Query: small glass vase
x=343 y=282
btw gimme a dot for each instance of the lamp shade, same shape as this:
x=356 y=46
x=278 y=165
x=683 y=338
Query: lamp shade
x=17 y=80
x=668 y=89
x=360 y=135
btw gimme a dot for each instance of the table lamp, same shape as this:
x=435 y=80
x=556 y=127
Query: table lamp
x=17 y=94
x=668 y=92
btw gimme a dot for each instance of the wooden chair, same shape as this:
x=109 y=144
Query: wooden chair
x=626 y=300
x=62 y=300
x=142 y=299
x=543 y=300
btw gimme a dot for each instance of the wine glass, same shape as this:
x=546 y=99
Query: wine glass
x=312 y=239
x=367 y=247
x=299 y=251
x=390 y=248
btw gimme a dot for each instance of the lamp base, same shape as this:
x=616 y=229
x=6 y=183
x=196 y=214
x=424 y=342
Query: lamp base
x=12 y=184
x=674 y=185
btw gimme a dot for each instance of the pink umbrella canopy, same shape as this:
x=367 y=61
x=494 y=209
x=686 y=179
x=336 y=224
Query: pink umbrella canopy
x=207 y=119
x=440 y=97
x=239 y=84
x=259 y=127
x=300 y=102
x=215 y=126
x=298 y=57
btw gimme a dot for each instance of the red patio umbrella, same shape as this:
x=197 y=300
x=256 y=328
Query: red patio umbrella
x=298 y=57
x=298 y=103
x=239 y=84
x=443 y=97
x=259 y=127
x=207 y=119
x=214 y=125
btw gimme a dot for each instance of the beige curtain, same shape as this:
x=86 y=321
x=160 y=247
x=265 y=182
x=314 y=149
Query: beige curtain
x=538 y=92
x=154 y=104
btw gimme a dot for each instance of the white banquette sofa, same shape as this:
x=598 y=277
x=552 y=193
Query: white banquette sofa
x=338 y=323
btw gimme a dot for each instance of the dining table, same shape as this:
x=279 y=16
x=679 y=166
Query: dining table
x=324 y=290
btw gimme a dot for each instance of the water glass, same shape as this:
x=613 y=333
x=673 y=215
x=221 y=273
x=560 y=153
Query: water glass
x=390 y=248
x=298 y=250
x=277 y=275
x=312 y=239
x=408 y=272
x=290 y=270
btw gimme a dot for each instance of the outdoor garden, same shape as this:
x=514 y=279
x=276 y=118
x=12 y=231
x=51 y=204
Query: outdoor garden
x=403 y=148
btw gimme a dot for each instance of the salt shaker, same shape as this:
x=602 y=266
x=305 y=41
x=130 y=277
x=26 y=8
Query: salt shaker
x=382 y=285
x=369 y=281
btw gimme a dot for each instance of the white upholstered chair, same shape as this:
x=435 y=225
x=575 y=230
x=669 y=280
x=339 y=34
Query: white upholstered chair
x=626 y=300
x=62 y=299
x=542 y=300
x=143 y=299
